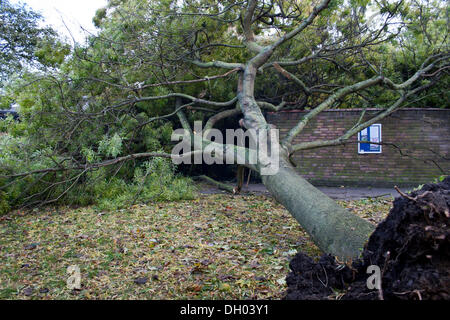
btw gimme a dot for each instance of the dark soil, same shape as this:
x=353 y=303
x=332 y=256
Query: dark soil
x=411 y=247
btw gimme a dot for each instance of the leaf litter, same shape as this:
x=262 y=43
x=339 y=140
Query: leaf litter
x=215 y=247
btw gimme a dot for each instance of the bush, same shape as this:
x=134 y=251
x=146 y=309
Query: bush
x=44 y=139
x=153 y=181
x=150 y=181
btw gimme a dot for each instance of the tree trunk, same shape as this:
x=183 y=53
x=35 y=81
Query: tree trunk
x=332 y=228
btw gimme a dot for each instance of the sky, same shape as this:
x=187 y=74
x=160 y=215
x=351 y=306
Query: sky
x=75 y=13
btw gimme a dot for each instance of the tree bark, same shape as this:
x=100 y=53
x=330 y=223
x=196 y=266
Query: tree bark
x=332 y=228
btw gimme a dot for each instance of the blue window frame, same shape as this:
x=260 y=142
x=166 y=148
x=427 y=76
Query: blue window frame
x=370 y=134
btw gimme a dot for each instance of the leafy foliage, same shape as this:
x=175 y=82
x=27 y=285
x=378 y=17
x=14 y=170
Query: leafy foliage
x=154 y=180
x=23 y=41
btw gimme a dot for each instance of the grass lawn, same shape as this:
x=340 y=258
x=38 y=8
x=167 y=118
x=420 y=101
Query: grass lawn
x=216 y=247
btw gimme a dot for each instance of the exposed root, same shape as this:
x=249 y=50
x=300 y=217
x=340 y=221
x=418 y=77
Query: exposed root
x=411 y=247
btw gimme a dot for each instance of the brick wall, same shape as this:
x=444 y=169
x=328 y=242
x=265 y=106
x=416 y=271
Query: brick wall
x=420 y=133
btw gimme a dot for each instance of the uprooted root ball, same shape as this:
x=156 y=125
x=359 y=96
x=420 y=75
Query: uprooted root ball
x=411 y=247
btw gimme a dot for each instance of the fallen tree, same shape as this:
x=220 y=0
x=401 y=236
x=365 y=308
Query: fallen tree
x=184 y=36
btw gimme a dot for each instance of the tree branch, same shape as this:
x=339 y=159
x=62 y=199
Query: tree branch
x=290 y=76
x=218 y=64
x=355 y=129
x=327 y=104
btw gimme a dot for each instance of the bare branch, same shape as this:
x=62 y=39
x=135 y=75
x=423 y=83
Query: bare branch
x=426 y=66
x=355 y=129
x=327 y=104
x=218 y=64
x=292 y=77
x=247 y=27
x=270 y=106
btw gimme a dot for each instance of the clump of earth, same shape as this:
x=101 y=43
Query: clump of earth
x=411 y=248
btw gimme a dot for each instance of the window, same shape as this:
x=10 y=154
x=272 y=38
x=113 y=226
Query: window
x=371 y=134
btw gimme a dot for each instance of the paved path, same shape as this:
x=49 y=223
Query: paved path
x=332 y=192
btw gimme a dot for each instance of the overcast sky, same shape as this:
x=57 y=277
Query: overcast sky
x=75 y=13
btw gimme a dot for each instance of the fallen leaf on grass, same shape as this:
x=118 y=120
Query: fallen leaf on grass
x=254 y=253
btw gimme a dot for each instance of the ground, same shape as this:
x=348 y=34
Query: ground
x=338 y=193
x=216 y=247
